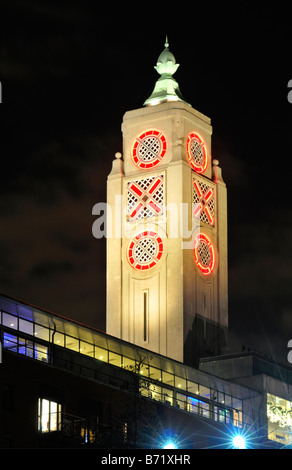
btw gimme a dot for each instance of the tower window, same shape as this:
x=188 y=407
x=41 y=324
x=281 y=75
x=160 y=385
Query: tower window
x=145 y=315
x=204 y=253
x=145 y=250
x=204 y=202
x=145 y=198
x=148 y=149
x=197 y=152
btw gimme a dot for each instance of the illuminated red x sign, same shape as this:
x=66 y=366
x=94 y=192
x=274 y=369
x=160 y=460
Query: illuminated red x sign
x=204 y=199
x=146 y=197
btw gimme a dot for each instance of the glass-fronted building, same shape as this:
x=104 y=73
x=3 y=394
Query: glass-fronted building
x=58 y=344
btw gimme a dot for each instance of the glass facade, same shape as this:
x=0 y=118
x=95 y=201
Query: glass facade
x=279 y=413
x=31 y=332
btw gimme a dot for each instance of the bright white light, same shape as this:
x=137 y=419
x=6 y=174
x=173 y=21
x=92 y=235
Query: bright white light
x=169 y=445
x=239 y=442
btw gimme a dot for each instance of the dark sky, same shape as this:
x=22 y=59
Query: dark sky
x=69 y=71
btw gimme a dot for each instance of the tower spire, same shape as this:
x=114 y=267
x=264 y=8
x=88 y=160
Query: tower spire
x=166 y=87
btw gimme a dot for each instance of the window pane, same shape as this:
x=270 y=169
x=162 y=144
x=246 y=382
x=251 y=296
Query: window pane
x=228 y=401
x=29 y=348
x=115 y=359
x=45 y=415
x=86 y=348
x=21 y=346
x=26 y=326
x=181 y=401
x=59 y=338
x=220 y=397
x=193 y=405
x=193 y=387
x=101 y=354
x=10 y=342
x=155 y=373
x=129 y=364
x=41 y=353
x=9 y=320
x=180 y=383
x=167 y=378
x=167 y=396
x=49 y=413
x=205 y=409
x=204 y=391
x=41 y=332
x=72 y=343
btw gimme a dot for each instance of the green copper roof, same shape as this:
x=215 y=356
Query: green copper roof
x=166 y=87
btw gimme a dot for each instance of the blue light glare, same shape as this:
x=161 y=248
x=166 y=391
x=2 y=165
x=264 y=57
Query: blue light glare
x=239 y=442
x=169 y=445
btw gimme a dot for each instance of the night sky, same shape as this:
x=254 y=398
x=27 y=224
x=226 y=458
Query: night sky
x=69 y=71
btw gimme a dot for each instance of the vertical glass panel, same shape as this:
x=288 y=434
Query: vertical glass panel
x=167 y=378
x=236 y=403
x=10 y=320
x=45 y=415
x=193 y=387
x=193 y=405
x=41 y=353
x=21 y=346
x=58 y=338
x=155 y=373
x=72 y=343
x=41 y=332
x=29 y=348
x=228 y=400
x=39 y=414
x=26 y=326
x=144 y=388
x=53 y=416
x=180 y=383
x=142 y=369
x=86 y=348
x=156 y=392
x=10 y=342
x=204 y=391
x=129 y=364
x=100 y=354
x=167 y=396
x=115 y=359
x=205 y=409
x=220 y=397
x=221 y=415
x=181 y=401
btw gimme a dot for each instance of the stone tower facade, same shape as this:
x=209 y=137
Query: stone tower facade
x=167 y=286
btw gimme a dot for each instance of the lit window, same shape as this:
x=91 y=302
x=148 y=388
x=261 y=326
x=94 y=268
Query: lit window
x=25 y=347
x=279 y=413
x=49 y=415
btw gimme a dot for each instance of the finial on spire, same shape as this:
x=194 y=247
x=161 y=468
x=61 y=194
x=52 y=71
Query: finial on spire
x=166 y=45
x=166 y=87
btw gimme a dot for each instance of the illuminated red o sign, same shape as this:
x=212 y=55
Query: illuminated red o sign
x=204 y=253
x=145 y=250
x=197 y=152
x=148 y=150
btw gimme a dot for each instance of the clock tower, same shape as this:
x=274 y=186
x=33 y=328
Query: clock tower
x=167 y=248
